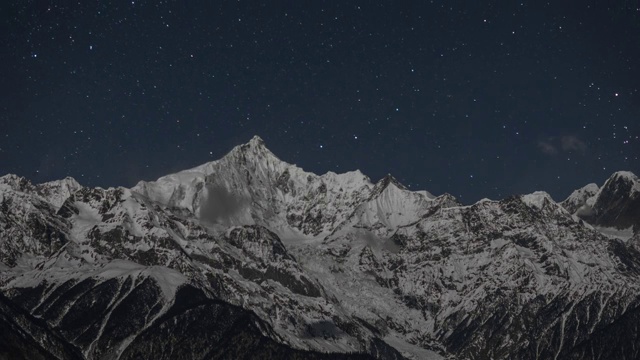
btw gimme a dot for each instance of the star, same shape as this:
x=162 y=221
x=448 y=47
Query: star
x=330 y=85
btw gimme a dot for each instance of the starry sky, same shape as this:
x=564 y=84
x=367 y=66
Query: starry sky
x=474 y=98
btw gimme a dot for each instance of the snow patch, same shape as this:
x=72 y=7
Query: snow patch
x=411 y=351
x=622 y=234
x=537 y=199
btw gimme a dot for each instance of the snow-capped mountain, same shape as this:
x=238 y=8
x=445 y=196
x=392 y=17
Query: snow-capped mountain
x=251 y=257
x=614 y=208
x=579 y=198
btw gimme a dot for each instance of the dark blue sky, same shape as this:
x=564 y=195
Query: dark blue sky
x=478 y=99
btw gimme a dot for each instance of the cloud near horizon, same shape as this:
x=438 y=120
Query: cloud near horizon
x=573 y=143
x=568 y=143
x=547 y=147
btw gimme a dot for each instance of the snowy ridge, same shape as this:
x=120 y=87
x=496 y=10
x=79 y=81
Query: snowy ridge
x=53 y=192
x=329 y=263
x=250 y=185
x=539 y=199
x=56 y=192
x=579 y=197
x=614 y=208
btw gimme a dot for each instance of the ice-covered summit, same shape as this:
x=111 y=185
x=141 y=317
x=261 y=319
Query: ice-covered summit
x=614 y=207
x=250 y=185
x=579 y=197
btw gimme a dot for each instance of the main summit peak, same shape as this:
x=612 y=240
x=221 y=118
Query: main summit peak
x=256 y=141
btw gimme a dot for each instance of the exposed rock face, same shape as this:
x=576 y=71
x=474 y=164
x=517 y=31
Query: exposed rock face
x=250 y=257
x=616 y=205
x=28 y=223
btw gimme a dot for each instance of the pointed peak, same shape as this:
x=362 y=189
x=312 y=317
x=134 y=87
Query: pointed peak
x=384 y=183
x=389 y=179
x=256 y=141
x=68 y=181
x=447 y=200
x=254 y=148
x=538 y=199
x=252 y=151
x=256 y=144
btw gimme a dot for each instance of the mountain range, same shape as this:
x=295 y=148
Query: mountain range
x=249 y=257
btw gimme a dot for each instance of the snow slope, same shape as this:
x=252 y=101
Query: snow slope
x=326 y=263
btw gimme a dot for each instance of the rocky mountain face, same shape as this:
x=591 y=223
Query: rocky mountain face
x=253 y=258
x=614 y=208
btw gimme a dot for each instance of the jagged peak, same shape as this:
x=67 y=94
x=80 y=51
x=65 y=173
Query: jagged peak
x=69 y=181
x=254 y=150
x=21 y=183
x=389 y=179
x=16 y=182
x=10 y=177
x=54 y=192
x=447 y=200
x=384 y=183
x=538 y=199
x=256 y=141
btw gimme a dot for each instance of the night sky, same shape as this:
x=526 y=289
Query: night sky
x=475 y=98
